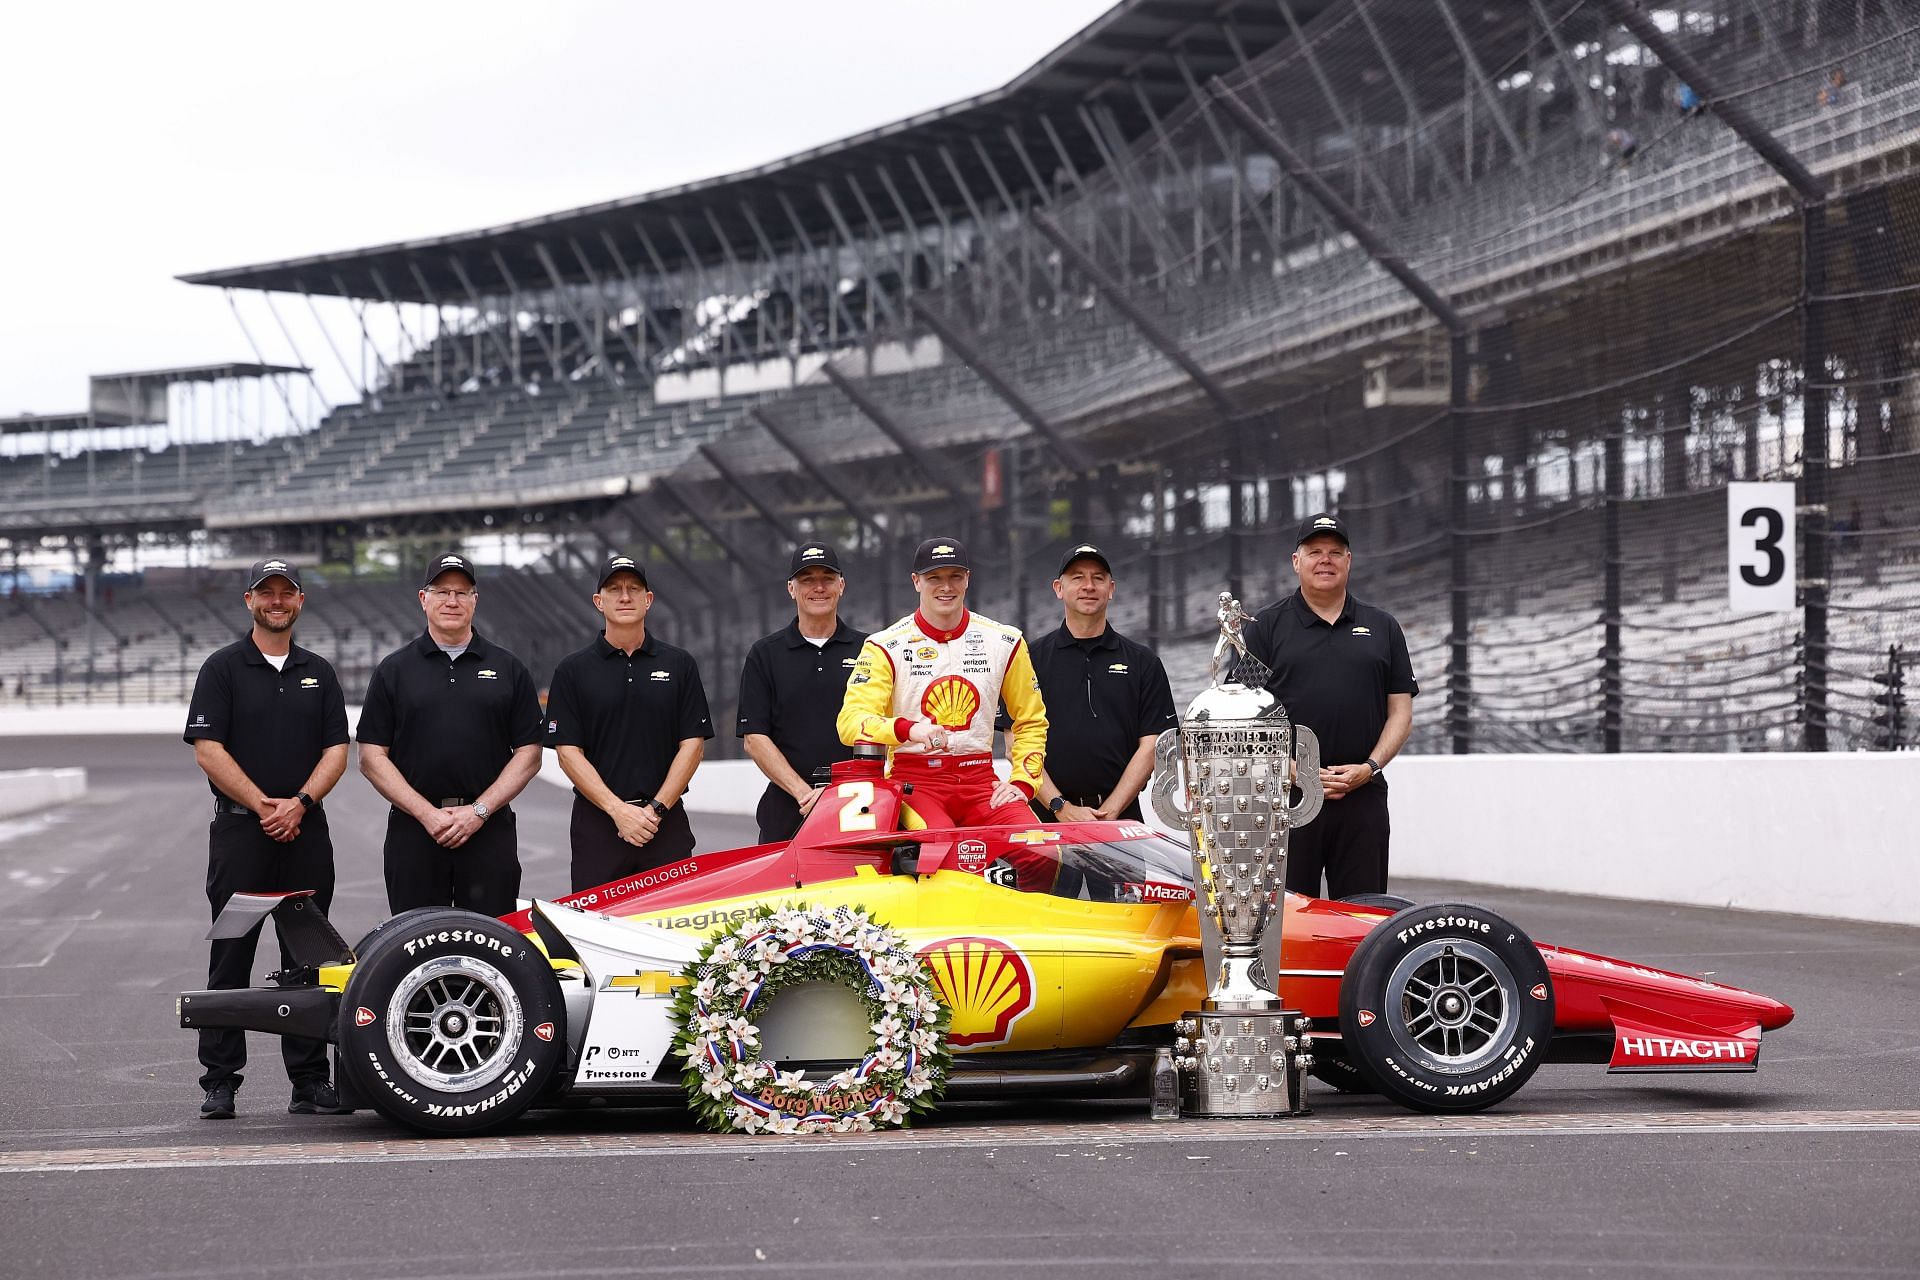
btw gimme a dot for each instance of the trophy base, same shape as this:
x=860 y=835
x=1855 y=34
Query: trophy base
x=1243 y=1063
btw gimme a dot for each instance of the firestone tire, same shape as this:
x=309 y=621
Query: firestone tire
x=1333 y=1070
x=452 y=1022
x=1447 y=1007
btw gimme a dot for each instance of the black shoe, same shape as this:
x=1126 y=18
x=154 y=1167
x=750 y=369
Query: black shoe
x=316 y=1098
x=219 y=1103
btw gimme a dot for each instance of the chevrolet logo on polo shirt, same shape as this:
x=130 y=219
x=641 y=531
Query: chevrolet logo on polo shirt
x=849 y=662
x=662 y=675
x=1362 y=631
x=308 y=682
x=487 y=673
x=1118 y=668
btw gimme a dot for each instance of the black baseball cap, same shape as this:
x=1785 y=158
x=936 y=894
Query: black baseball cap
x=272 y=567
x=939 y=553
x=1323 y=523
x=452 y=562
x=1085 y=551
x=813 y=555
x=622 y=564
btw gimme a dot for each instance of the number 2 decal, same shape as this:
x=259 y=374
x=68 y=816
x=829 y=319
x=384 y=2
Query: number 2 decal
x=857 y=813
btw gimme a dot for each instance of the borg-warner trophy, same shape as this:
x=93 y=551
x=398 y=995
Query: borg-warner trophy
x=1240 y=1053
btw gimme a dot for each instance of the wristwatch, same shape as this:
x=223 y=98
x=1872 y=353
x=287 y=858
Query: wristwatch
x=480 y=810
x=1377 y=770
x=653 y=803
x=306 y=801
x=1055 y=805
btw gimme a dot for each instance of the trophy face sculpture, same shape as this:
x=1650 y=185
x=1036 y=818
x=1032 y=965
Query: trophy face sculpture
x=1241 y=759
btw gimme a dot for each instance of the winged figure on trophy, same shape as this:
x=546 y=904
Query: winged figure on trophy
x=1227 y=776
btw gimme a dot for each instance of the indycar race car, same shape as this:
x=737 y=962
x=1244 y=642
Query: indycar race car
x=1066 y=953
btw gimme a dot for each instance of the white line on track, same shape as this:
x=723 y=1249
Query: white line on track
x=1119 y=1134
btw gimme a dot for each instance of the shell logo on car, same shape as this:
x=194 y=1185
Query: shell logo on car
x=951 y=702
x=988 y=985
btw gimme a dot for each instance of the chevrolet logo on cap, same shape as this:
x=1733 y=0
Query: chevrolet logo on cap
x=943 y=550
x=1086 y=546
x=812 y=553
x=623 y=562
x=274 y=564
x=1325 y=522
x=451 y=560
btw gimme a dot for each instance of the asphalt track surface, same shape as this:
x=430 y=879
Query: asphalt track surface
x=1809 y=1167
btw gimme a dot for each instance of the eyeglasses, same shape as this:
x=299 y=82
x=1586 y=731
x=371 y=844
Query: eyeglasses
x=444 y=593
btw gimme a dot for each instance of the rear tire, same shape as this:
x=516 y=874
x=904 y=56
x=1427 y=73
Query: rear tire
x=452 y=1022
x=1446 y=1007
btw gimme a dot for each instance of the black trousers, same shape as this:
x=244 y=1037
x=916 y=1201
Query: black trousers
x=241 y=858
x=481 y=875
x=1347 y=841
x=1129 y=814
x=778 y=815
x=601 y=856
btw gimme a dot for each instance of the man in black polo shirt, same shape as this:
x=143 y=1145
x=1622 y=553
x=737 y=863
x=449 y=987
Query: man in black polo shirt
x=450 y=734
x=1340 y=667
x=268 y=724
x=1107 y=701
x=790 y=691
x=627 y=717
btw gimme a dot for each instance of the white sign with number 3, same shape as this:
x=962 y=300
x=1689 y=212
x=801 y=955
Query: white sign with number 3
x=1760 y=551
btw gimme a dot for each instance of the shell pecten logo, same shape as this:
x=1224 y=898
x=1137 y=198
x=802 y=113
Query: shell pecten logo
x=950 y=702
x=987 y=984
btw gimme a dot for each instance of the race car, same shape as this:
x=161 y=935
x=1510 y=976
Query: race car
x=1066 y=952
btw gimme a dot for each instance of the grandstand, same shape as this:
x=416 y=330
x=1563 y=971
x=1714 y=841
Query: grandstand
x=1479 y=276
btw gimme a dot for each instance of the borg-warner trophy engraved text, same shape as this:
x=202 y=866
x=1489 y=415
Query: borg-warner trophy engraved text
x=1239 y=758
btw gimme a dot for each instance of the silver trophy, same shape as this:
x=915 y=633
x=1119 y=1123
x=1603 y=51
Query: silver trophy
x=1240 y=1053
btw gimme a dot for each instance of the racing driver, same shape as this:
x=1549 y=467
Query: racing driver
x=929 y=687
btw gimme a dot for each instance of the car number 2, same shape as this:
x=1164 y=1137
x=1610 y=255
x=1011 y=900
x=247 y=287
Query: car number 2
x=857 y=813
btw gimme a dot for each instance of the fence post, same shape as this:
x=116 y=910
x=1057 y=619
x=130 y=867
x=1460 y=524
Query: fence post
x=1815 y=521
x=1459 y=657
x=1615 y=482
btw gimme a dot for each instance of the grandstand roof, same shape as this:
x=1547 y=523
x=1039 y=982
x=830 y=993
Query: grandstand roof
x=1138 y=49
x=199 y=373
x=34 y=423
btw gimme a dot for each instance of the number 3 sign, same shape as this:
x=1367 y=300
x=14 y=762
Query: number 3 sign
x=1760 y=560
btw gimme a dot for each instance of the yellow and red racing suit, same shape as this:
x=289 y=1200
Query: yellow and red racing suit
x=956 y=679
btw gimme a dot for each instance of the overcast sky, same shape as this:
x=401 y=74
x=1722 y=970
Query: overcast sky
x=144 y=140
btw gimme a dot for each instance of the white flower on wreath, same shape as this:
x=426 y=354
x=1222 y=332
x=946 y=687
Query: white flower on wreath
x=768 y=952
x=863 y=1123
x=747 y=1120
x=925 y=1004
x=894 y=994
x=725 y=952
x=888 y=1058
x=791 y=1080
x=791 y=923
x=710 y=1024
x=890 y=1110
x=715 y=1084
x=840 y=930
x=889 y=1030
x=705 y=990
x=845 y=1124
x=924 y=1039
x=918 y=1082
x=743 y=1030
x=742 y=978
x=748 y=1074
x=843 y=1079
x=784 y=1124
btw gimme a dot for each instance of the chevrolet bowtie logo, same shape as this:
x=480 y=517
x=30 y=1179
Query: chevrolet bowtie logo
x=943 y=550
x=1033 y=837
x=449 y=559
x=274 y=564
x=622 y=562
x=813 y=553
x=1324 y=522
x=1085 y=547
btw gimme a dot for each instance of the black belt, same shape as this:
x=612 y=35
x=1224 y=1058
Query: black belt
x=228 y=806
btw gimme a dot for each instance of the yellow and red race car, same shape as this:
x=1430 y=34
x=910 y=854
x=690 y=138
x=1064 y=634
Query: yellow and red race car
x=1065 y=952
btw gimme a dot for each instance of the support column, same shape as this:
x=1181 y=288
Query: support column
x=1816 y=521
x=1615 y=483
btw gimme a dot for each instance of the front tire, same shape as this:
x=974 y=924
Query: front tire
x=452 y=1022
x=1446 y=1007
